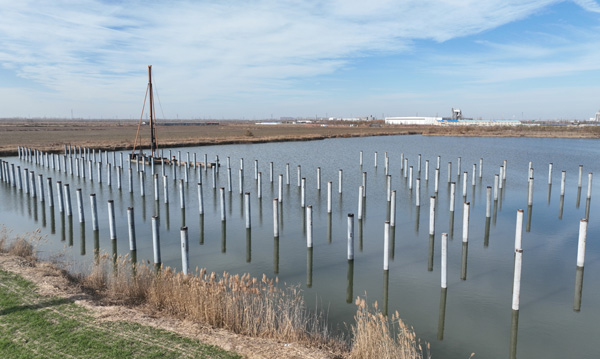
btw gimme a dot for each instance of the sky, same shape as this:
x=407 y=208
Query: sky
x=263 y=59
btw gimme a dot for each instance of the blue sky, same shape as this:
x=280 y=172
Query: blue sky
x=523 y=59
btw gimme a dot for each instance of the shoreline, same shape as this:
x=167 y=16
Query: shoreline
x=50 y=136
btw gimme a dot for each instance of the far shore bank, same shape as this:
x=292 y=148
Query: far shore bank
x=52 y=135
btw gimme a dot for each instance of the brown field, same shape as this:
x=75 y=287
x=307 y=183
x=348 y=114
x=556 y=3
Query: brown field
x=51 y=135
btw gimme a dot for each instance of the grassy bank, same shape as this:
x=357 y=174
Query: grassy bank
x=241 y=304
x=35 y=326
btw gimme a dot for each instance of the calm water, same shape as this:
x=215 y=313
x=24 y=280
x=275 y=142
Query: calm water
x=476 y=313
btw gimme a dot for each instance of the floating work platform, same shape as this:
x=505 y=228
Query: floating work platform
x=163 y=160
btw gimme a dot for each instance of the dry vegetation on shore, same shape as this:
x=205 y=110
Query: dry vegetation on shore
x=51 y=135
x=246 y=306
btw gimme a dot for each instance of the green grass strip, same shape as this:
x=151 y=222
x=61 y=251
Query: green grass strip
x=34 y=326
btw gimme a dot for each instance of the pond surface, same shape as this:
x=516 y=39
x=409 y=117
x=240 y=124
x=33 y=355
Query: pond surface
x=557 y=318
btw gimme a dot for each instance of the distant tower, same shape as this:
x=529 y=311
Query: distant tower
x=598 y=116
x=456 y=114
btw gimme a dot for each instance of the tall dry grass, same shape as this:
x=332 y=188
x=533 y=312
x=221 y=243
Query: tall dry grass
x=22 y=246
x=241 y=304
x=379 y=336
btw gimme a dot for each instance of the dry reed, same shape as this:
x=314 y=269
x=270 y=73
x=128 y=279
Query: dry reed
x=22 y=246
x=241 y=304
x=379 y=336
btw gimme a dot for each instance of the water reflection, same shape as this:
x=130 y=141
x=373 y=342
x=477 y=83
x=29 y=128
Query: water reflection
x=309 y=267
x=578 y=197
x=82 y=237
x=201 y=229
x=260 y=211
x=392 y=242
x=33 y=204
x=350 y=282
x=529 y=215
x=113 y=243
x=329 y=227
x=514 y=328
x=386 y=283
x=223 y=236
x=442 y=316
x=96 y=247
x=560 y=208
x=578 y=289
x=417 y=217
x=486 y=237
x=183 y=217
x=549 y=193
x=587 y=208
x=52 y=221
x=451 y=225
x=43 y=215
x=495 y=212
x=248 y=245
x=276 y=255
x=431 y=250
x=167 y=217
x=360 y=235
x=463 y=266
x=70 y=231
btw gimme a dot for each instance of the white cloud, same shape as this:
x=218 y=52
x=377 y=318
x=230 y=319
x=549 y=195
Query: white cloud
x=93 y=49
x=589 y=5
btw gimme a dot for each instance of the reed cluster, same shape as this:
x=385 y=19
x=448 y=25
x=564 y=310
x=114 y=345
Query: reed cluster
x=378 y=336
x=22 y=246
x=241 y=304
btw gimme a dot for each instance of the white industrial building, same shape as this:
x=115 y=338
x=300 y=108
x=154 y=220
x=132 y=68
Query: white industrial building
x=412 y=120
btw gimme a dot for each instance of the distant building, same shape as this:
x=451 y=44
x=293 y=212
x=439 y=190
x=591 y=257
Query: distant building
x=412 y=120
x=352 y=119
x=456 y=119
x=597 y=118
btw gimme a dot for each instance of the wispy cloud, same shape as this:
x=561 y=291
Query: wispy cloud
x=229 y=49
